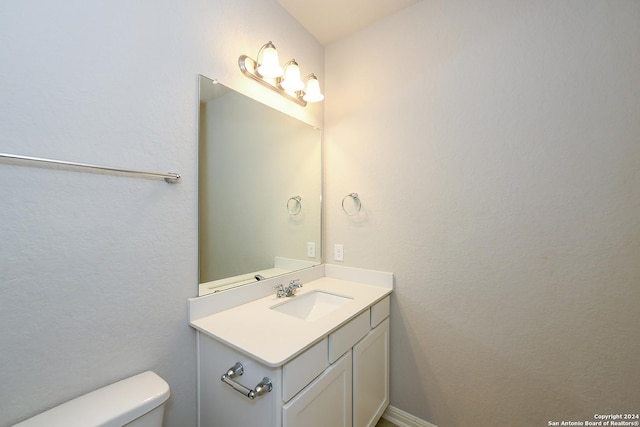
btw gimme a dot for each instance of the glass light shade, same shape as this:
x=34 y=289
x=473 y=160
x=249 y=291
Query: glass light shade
x=312 y=94
x=268 y=63
x=292 y=81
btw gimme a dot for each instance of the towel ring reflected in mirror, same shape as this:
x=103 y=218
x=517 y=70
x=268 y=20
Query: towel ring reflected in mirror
x=351 y=204
x=294 y=205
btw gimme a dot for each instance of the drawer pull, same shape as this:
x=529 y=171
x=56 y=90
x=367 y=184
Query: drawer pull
x=237 y=370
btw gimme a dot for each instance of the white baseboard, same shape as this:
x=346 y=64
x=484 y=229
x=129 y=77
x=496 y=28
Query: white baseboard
x=404 y=419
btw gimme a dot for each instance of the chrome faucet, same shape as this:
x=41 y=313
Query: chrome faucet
x=290 y=290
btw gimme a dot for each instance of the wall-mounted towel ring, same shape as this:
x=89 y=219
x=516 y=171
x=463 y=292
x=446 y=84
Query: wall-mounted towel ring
x=355 y=204
x=294 y=205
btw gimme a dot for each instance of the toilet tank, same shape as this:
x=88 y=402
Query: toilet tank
x=136 y=401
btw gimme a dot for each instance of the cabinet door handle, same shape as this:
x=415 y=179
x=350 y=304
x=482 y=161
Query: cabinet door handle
x=264 y=386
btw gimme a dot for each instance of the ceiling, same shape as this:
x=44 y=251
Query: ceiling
x=331 y=20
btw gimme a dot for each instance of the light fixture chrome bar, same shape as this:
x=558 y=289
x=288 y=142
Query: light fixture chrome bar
x=171 y=178
x=251 y=73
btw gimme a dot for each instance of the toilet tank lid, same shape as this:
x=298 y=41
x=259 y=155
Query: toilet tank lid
x=113 y=405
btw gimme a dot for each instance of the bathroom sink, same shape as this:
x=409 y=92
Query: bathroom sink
x=311 y=306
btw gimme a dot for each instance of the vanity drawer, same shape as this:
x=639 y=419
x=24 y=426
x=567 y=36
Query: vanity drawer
x=380 y=311
x=347 y=336
x=299 y=372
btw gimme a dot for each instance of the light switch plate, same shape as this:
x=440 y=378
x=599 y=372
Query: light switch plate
x=311 y=249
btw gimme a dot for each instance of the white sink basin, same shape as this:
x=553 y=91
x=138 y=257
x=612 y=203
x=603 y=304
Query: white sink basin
x=311 y=306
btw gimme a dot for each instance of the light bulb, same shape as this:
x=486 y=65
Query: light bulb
x=312 y=93
x=268 y=63
x=292 y=81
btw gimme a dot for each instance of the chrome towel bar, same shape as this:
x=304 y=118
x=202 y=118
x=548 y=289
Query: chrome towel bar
x=171 y=178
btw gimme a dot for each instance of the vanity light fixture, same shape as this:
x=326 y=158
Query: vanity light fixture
x=286 y=81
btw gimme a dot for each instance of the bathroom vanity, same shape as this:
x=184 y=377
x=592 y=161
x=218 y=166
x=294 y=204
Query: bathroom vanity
x=318 y=358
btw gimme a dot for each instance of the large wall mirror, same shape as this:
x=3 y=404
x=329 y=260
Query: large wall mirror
x=259 y=190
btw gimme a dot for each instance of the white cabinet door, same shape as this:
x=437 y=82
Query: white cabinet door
x=371 y=376
x=327 y=401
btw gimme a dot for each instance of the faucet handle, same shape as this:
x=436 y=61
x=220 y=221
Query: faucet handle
x=280 y=291
x=293 y=287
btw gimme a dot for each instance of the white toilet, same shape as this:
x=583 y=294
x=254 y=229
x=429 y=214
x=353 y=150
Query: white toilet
x=135 y=402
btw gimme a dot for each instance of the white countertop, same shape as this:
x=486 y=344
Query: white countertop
x=275 y=338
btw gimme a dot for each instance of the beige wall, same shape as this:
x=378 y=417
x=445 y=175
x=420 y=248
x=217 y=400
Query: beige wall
x=495 y=146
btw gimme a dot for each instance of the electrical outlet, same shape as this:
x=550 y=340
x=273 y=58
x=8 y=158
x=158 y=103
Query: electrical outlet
x=338 y=252
x=311 y=249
